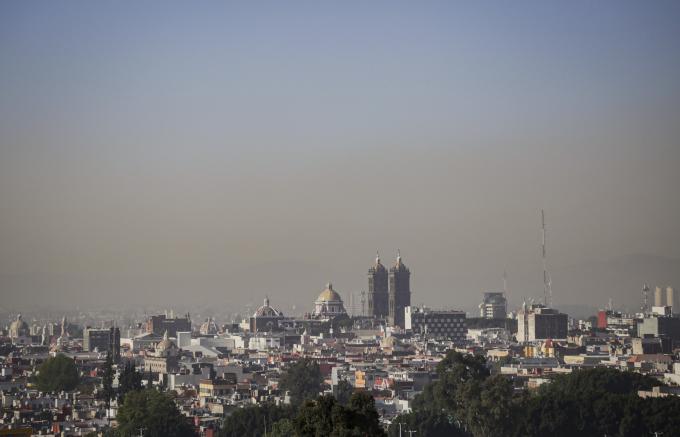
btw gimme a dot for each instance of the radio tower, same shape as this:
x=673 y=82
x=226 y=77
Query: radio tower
x=547 y=286
x=645 y=305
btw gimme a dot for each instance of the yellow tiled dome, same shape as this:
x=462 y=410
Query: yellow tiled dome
x=329 y=295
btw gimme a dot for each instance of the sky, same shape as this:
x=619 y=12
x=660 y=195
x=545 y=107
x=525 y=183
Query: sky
x=212 y=153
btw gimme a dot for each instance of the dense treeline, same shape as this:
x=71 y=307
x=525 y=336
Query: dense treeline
x=324 y=416
x=308 y=414
x=467 y=401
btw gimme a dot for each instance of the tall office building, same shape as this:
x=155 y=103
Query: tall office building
x=399 y=292
x=102 y=340
x=377 y=297
x=441 y=324
x=114 y=343
x=493 y=306
x=160 y=324
x=537 y=322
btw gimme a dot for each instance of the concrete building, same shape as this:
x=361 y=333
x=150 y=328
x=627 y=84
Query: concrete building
x=493 y=306
x=165 y=358
x=440 y=324
x=540 y=323
x=102 y=340
x=660 y=326
x=161 y=324
x=95 y=339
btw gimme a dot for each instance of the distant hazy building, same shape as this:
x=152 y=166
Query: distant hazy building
x=399 y=292
x=165 y=357
x=329 y=304
x=660 y=326
x=160 y=324
x=19 y=332
x=19 y=328
x=493 y=306
x=378 y=296
x=102 y=340
x=209 y=327
x=95 y=339
x=114 y=343
x=265 y=318
x=537 y=322
x=442 y=324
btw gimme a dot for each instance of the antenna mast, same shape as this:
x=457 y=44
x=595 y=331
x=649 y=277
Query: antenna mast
x=505 y=283
x=547 y=288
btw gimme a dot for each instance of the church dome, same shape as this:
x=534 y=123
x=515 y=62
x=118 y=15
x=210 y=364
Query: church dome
x=166 y=345
x=266 y=310
x=329 y=295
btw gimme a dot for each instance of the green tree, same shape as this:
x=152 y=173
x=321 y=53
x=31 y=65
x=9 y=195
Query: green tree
x=154 y=412
x=426 y=423
x=283 y=428
x=107 y=381
x=343 y=392
x=303 y=380
x=252 y=420
x=58 y=373
x=326 y=416
x=128 y=380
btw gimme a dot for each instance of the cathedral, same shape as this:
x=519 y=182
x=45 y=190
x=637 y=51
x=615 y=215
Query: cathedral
x=389 y=292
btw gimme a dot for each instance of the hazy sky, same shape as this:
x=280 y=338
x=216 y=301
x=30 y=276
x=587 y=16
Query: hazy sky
x=216 y=152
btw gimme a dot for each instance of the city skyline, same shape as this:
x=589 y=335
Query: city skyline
x=180 y=152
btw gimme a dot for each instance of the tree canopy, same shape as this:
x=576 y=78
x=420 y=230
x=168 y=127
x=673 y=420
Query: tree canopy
x=303 y=380
x=129 y=380
x=154 y=412
x=327 y=417
x=323 y=416
x=58 y=373
x=252 y=420
x=465 y=400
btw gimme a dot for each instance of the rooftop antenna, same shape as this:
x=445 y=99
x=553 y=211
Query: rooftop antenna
x=505 y=283
x=547 y=286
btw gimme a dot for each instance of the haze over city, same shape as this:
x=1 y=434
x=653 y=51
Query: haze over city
x=217 y=153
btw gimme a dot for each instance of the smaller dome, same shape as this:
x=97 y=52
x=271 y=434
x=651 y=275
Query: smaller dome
x=329 y=295
x=166 y=344
x=267 y=311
